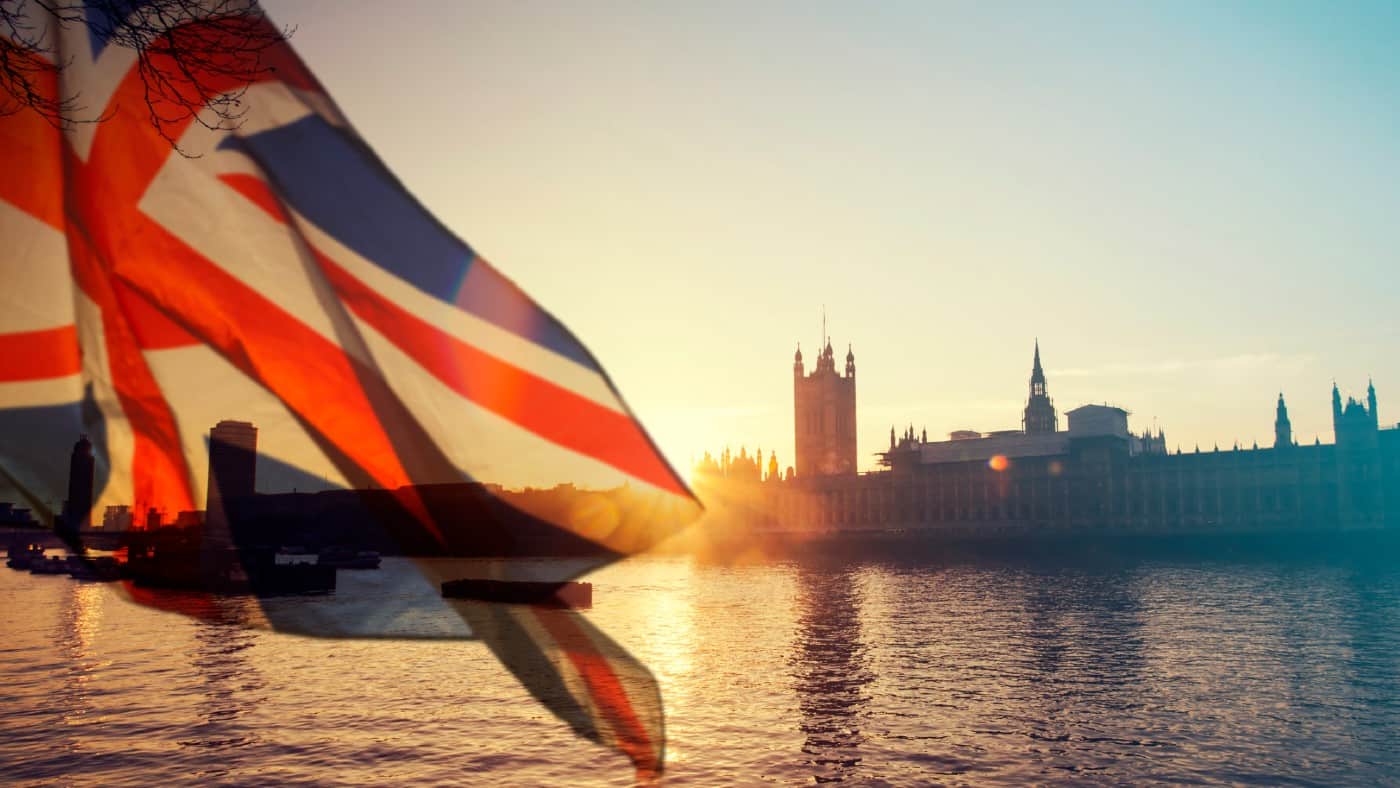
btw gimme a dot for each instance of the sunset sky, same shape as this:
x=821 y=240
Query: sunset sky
x=1192 y=206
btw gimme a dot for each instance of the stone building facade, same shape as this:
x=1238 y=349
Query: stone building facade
x=824 y=410
x=1094 y=475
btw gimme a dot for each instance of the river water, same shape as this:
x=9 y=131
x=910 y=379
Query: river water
x=870 y=673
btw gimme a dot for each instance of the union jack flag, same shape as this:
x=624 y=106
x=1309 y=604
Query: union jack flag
x=281 y=275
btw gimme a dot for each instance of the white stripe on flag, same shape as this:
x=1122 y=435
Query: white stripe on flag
x=481 y=334
x=38 y=289
x=97 y=371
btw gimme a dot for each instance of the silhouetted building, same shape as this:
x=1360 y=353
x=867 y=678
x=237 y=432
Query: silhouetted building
x=12 y=515
x=1040 y=435
x=824 y=407
x=77 y=510
x=1365 y=470
x=1097 y=475
x=1094 y=475
x=233 y=462
x=736 y=467
x=1283 y=430
x=1040 y=416
x=1149 y=442
x=1355 y=425
x=909 y=441
x=117 y=518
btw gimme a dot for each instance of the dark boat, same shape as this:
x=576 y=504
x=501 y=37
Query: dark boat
x=346 y=558
x=50 y=565
x=521 y=592
x=177 y=558
x=21 y=557
x=228 y=572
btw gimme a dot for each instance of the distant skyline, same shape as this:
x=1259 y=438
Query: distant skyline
x=1190 y=205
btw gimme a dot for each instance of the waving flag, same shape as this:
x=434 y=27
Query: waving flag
x=273 y=271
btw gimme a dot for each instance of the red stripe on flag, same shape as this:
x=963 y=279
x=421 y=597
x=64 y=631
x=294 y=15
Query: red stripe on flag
x=31 y=148
x=606 y=690
x=122 y=247
x=256 y=190
x=528 y=400
x=39 y=355
x=154 y=330
x=33 y=158
x=135 y=151
x=312 y=376
x=104 y=225
x=159 y=475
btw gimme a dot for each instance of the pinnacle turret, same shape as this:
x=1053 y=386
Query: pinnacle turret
x=824 y=410
x=1371 y=403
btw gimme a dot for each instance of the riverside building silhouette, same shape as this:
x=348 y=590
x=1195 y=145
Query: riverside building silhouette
x=77 y=510
x=1094 y=475
x=233 y=463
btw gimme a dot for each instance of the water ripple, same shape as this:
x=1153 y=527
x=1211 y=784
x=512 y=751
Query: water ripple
x=821 y=672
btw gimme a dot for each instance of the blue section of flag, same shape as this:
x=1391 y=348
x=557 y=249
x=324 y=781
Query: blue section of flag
x=331 y=181
x=336 y=183
x=104 y=18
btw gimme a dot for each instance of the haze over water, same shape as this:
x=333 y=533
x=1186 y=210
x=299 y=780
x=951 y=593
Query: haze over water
x=865 y=672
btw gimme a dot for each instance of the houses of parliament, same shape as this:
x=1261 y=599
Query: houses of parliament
x=1093 y=474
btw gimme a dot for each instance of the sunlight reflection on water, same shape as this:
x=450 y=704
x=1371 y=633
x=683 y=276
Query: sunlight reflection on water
x=870 y=673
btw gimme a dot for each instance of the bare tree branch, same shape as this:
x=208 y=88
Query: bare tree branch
x=28 y=66
x=195 y=58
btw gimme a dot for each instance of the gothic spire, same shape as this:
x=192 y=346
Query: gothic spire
x=1371 y=402
x=1039 y=417
x=1037 y=372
